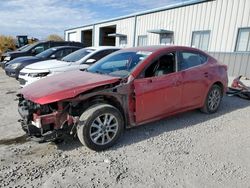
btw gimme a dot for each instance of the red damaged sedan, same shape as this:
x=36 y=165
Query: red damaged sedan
x=125 y=89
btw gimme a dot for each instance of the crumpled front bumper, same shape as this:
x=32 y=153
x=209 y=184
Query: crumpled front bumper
x=46 y=127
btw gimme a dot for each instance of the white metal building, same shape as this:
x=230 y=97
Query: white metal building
x=221 y=27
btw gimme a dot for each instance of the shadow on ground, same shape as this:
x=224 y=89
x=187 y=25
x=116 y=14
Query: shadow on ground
x=172 y=123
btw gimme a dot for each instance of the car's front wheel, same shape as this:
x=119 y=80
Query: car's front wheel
x=213 y=100
x=100 y=126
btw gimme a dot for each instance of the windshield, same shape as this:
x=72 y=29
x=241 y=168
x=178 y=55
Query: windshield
x=46 y=53
x=30 y=47
x=77 y=55
x=23 y=48
x=119 y=64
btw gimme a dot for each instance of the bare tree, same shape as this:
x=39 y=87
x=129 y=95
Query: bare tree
x=7 y=43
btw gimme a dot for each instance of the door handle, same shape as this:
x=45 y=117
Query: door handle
x=150 y=80
x=206 y=74
x=177 y=83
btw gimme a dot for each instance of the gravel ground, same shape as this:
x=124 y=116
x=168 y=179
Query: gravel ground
x=188 y=150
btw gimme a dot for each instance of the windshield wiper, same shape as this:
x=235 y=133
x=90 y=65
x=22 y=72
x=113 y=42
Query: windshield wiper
x=99 y=72
x=66 y=60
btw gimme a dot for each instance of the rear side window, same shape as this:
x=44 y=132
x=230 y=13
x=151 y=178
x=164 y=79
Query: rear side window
x=188 y=60
x=63 y=52
x=41 y=47
x=66 y=52
x=101 y=54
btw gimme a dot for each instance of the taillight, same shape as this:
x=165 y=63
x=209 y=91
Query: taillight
x=223 y=65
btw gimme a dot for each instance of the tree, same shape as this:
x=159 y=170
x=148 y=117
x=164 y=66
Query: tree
x=7 y=42
x=55 y=37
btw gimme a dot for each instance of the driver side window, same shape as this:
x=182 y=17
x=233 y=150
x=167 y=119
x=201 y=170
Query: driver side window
x=101 y=54
x=163 y=65
x=40 y=48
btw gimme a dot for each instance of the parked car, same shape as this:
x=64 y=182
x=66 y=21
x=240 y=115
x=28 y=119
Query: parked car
x=13 y=67
x=34 y=49
x=80 y=59
x=123 y=90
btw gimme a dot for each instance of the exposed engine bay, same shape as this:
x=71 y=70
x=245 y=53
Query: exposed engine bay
x=47 y=122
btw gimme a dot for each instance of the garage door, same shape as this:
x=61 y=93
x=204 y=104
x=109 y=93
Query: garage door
x=72 y=36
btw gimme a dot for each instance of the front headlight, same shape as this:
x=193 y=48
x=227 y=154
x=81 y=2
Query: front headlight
x=41 y=74
x=15 y=65
x=7 y=58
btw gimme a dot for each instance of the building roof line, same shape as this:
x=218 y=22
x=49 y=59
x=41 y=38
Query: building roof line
x=168 y=7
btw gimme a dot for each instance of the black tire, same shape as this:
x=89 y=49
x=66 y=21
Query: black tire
x=208 y=107
x=88 y=126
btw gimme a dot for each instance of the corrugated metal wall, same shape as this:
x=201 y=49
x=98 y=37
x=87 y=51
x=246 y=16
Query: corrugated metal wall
x=238 y=63
x=124 y=26
x=222 y=17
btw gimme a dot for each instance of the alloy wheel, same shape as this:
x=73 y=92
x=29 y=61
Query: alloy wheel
x=103 y=129
x=214 y=99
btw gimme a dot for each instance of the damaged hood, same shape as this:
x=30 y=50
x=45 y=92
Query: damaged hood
x=63 y=86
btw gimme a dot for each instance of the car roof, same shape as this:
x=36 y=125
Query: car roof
x=61 y=47
x=102 y=47
x=155 y=48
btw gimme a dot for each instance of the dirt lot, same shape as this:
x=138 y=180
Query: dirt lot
x=187 y=150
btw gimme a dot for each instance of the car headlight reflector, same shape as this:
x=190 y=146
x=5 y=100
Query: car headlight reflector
x=7 y=58
x=41 y=74
x=15 y=65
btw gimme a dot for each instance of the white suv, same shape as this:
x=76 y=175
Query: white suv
x=80 y=59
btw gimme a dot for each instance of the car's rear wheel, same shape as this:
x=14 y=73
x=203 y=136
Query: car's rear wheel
x=100 y=126
x=213 y=100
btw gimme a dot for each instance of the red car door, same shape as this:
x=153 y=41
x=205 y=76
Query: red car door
x=194 y=78
x=157 y=96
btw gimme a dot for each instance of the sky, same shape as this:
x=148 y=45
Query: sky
x=40 y=18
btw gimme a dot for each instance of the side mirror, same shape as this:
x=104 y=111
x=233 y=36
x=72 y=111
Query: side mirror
x=83 y=67
x=37 y=50
x=53 y=56
x=90 y=61
x=33 y=51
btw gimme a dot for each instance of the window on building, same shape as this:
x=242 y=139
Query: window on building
x=123 y=41
x=142 y=40
x=166 y=38
x=243 y=40
x=200 y=39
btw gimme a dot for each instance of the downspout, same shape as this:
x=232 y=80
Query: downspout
x=135 y=27
x=93 y=35
x=64 y=35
